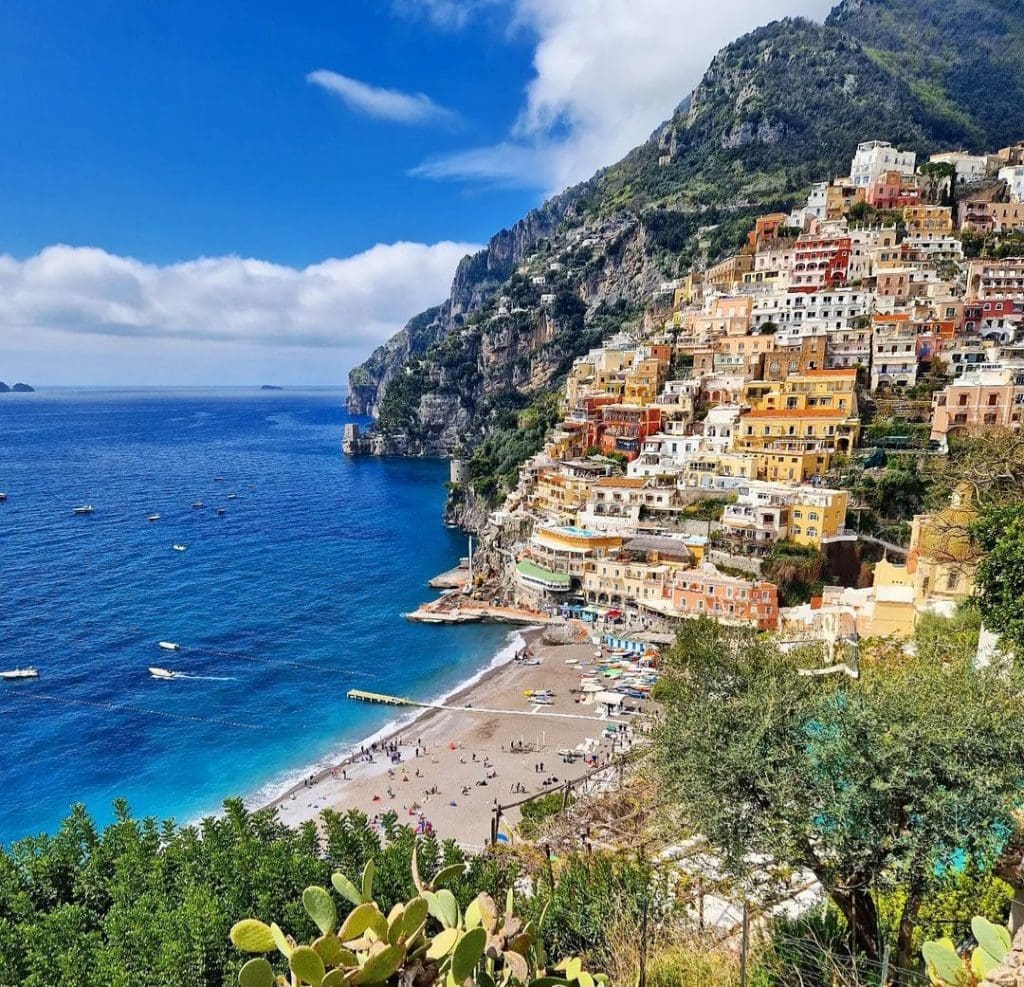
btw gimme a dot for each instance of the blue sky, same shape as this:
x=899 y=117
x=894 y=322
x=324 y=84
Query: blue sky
x=222 y=192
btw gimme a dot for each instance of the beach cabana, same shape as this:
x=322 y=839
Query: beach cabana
x=609 y=703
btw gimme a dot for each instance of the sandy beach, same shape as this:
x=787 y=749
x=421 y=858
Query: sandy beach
x=454 y=764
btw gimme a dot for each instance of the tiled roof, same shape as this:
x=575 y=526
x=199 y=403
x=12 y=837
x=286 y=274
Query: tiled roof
x=632 y=482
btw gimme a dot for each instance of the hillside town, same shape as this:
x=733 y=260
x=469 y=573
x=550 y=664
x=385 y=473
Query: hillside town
x=720 y=435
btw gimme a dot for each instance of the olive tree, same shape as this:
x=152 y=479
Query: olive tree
x=871 y=785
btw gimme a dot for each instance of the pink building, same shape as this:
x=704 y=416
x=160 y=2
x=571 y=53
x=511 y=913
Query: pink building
x=980 y=400
x=706 y=591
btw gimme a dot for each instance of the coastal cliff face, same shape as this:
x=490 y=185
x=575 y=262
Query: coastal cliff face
x=776 y=110
x=476 y=279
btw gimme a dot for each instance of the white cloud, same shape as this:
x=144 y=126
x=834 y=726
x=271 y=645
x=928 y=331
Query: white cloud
x=445 y=14
x=385 y=104
x=606 y=73
x=351 y=303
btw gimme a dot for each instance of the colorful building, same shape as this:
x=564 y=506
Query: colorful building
x=704 y=591
x=980 y=400
x=798 y=430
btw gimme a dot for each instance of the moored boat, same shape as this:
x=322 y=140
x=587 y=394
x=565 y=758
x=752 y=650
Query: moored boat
x=198 y=504
x=83 y=509
x=169 y=646
x=179 y=548
x=153 y=517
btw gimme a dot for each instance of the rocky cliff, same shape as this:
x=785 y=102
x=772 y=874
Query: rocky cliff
x=776 y=110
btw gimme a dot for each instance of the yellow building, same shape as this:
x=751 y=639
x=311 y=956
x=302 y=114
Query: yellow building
x=568 y=549
x=644 y=381
x=894 y=613
x=796 y=466
x=690 y=292
x=797 y=430
x=816 y=514
x=928 y=219
x=943 y=557
x=835 y=389
x=600 y=372
x=558 y=495
x=939 y=573
x=618 y=582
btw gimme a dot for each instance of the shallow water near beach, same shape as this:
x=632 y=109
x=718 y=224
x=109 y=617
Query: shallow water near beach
x=281 y=604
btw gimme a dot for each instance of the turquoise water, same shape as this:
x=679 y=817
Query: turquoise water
x=282 y=604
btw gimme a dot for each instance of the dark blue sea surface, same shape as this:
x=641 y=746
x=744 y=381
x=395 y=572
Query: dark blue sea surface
x=281 y=605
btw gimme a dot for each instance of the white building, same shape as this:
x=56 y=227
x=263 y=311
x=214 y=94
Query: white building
x=1014 y=178
x=871 y=247
x=719 y=426
x=969 y=167
x=894 y=355
x=819 y=310
x=874 y=158
x=933 y=248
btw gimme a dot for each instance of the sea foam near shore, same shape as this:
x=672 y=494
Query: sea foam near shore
x=280 y=787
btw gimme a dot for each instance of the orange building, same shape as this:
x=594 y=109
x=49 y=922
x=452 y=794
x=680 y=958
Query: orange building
x=893 y=190
x=705 y=591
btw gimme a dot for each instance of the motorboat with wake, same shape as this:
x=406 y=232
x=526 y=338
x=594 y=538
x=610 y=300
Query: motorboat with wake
x=19 y=673
x=164 y=674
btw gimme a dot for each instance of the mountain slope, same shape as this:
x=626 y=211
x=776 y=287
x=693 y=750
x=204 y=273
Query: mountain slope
x=777 y=109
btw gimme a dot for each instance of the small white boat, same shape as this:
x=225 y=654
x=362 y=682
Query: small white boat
x=198 y=504
x=542 y=701
x=84 y=509
x=170 y=646
x=531 y=662
x=232 y=496
x=3 y=496
x=19 y=673
x=153 y=517
x=179 y=548
x=162 y=673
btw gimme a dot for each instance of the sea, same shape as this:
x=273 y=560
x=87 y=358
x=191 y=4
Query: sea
x=280 y=605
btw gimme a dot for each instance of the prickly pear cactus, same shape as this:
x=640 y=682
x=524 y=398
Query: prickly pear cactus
x=426 y=941
x=947 y=968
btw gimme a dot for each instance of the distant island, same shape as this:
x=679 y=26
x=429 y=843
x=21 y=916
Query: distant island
x=271 y=387
x=17 y=388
